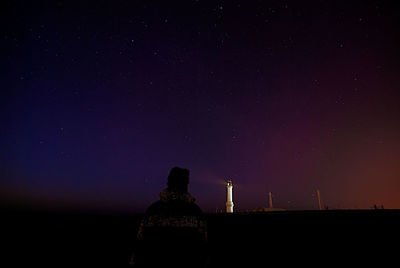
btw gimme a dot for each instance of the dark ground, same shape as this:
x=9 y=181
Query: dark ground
x=311 y=238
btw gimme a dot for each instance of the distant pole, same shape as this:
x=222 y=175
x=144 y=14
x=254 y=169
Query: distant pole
x=229 y=199
x=270 y=199
x=319 y=200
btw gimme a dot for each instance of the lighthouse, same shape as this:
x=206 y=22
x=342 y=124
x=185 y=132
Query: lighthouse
x=229 y=200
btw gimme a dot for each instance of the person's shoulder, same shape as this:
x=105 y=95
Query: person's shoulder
x=195 y=209
x=155 y=208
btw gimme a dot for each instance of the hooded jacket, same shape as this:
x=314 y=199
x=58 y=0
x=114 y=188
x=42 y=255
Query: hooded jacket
x=174 y=210
x=173 y=232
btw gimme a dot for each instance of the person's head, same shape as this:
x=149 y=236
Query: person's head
x=178 y=179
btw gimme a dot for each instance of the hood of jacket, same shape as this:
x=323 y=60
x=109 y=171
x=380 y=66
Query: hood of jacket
x=168 y=196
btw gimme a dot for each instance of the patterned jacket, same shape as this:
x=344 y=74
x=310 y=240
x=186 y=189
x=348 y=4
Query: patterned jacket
x=173 y=229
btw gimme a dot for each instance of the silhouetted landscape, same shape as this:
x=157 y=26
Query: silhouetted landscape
x=54 y=239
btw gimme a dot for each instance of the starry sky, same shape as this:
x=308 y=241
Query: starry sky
x=99 y=100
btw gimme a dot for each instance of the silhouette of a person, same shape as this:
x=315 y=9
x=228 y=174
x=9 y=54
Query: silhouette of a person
x=173 y=231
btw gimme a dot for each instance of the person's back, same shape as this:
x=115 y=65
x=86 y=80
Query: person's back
x=173 y=231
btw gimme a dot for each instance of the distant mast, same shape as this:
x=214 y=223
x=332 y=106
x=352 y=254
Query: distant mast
x=270 y=200
x=319 y=200
x=229 y=199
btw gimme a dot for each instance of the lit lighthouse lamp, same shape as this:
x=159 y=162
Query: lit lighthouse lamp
x=229 y=200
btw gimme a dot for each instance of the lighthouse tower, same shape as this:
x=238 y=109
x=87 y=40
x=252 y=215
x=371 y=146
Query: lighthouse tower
x=229 y=200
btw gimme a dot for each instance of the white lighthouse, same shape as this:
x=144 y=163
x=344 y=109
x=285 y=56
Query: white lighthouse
x=229 y=200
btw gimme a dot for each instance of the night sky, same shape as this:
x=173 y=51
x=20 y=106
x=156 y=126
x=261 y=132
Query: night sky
x=99 y=101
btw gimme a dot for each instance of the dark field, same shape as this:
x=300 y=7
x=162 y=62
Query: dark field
x=311 y=238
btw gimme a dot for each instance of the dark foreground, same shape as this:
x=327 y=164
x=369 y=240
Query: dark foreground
x=312 y=238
